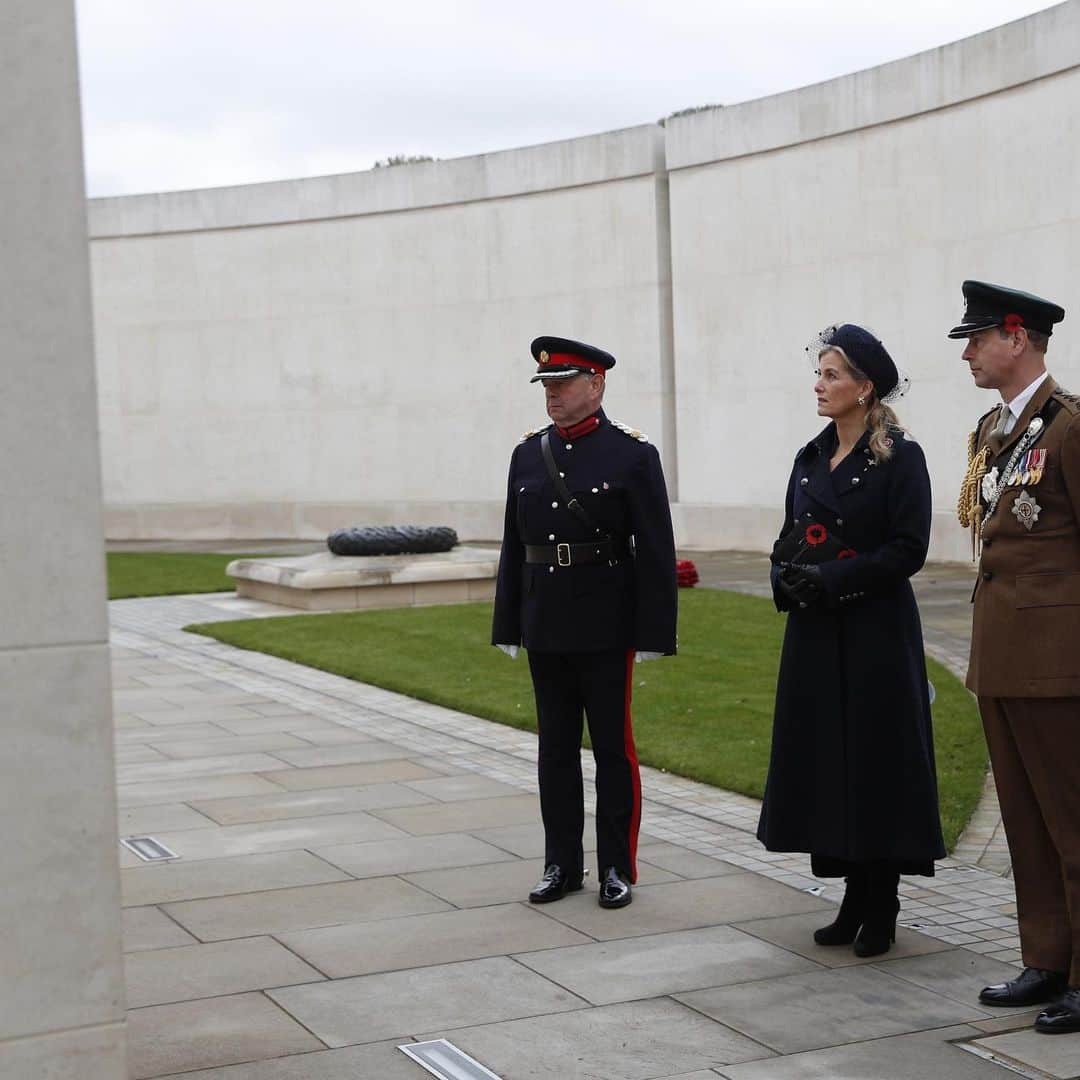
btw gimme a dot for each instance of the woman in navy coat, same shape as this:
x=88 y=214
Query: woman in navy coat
x=851 y=777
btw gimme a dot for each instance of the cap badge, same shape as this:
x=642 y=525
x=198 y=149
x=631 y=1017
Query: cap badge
x=544 y=358
x=1026 y=510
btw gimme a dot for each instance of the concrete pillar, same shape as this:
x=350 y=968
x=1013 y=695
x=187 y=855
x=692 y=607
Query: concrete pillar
x=61 y=987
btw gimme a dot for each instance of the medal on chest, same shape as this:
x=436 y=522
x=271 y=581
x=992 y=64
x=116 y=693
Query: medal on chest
x=1026 y=510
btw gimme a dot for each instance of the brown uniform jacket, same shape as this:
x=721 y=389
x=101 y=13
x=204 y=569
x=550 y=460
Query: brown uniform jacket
x=1025 y=639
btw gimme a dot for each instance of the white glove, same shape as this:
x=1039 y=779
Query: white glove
x=641 y=657
x=510 y=650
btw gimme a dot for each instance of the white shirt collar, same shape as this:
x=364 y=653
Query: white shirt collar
x=1019 y=403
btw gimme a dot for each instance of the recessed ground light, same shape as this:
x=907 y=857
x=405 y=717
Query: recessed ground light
x=148 y=849
x=444 y=1060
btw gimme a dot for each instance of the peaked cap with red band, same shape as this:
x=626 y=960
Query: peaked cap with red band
x=561 y=358
x=994 y=305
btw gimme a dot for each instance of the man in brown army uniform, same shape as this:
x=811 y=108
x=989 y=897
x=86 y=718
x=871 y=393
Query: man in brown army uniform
x=1021 y=499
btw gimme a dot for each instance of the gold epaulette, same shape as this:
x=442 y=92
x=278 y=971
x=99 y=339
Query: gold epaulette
x=535 y=431
x=626 y=429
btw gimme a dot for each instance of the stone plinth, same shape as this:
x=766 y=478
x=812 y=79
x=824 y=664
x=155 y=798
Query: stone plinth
x=328 y=582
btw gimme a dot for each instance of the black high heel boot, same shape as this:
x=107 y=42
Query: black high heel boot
x=843 y=929
x=878 y=930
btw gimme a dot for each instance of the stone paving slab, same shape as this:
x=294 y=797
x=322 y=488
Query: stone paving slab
x=685 y=863
x=349 y=754
x=146 y=793
x=638 y=1040
x=463 y=786
x=255 y=722
x=249 y=914
x=1057 y=1056
x=958 y=973
x=308 y=832
x=315 y=802
x=377 y=1061
x=505 y=882
x=409 y=856
x=527 y=840
x=463 y=816
x=162 y=817
x=796 y=932
x=396 y=943
x=392 y=1005
x=137 y=755
x=229 y=744
x=150 y=928
x=626 y=969
x=927 y=1055
x=147 y=733
x=827 y=1008
x=219 y=877
x=217 y=765
x=309 y=778
x=683 y=905
x=188 y=972
x=217 y=1031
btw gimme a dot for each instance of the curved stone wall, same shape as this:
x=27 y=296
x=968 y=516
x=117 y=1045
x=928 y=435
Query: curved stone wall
x=281 y=359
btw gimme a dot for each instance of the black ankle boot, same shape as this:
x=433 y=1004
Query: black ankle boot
x=843 y=929
x=878 y=930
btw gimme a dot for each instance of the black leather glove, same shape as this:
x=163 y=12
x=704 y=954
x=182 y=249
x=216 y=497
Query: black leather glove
x=802 y=585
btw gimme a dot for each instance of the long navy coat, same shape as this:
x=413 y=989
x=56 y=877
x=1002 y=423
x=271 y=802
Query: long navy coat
x=852 y=769
x=594 y=607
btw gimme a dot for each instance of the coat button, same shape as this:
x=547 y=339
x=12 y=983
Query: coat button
x=596 y=491
x=554 y=506
x=551 y=536
x=839 y=522
x=551 y=569
x=988 y=575
x=804 y=481
x=569 y=446
x=854 y=479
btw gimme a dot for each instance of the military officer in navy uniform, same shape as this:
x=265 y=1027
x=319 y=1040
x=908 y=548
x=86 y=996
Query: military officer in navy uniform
x=1021 y=499
x=587 y=585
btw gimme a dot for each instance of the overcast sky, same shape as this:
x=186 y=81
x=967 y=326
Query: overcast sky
x=199 y=93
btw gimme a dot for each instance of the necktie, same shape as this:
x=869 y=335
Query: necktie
x=999 y=428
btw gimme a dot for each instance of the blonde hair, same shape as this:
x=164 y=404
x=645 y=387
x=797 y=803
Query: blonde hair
x=879 y=417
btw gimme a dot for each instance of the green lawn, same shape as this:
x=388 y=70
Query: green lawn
x=705 y=714
x=158 y=573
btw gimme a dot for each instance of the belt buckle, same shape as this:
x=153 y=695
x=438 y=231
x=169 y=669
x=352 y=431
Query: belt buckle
x=562 y=554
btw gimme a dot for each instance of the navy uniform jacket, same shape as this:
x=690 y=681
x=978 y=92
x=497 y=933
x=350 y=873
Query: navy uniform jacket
x=593 y=606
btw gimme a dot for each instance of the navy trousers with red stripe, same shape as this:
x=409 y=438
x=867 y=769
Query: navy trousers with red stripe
x=596 y=685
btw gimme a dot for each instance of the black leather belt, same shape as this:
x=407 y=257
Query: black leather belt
x=599 y=551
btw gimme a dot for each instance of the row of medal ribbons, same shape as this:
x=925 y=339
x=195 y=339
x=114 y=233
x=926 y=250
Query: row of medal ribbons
x=1029 y=469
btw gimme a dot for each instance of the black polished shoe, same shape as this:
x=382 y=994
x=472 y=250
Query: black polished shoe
x=554 y=885
x=614 y=888
x=1061 y=1017
x=1032 y=986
